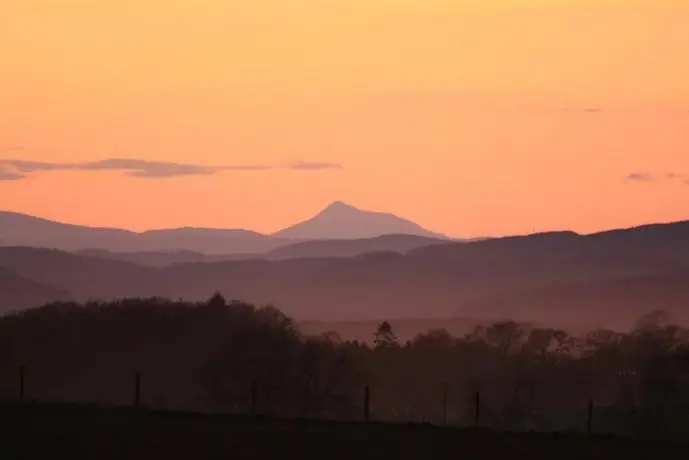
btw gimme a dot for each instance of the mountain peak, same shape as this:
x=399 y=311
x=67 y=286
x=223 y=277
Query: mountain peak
x=338 y=206
x=341 y=220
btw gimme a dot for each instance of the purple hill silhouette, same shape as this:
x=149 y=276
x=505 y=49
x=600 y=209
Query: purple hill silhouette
x=338 y=221
x=343 y=221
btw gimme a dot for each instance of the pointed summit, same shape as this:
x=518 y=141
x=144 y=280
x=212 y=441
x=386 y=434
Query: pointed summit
x=340 y=220
x=339 y=204
x=338 y=207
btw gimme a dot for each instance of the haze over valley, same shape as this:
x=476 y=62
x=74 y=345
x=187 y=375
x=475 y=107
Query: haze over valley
x=338 y=221
x=342 y=265
x=406 y=229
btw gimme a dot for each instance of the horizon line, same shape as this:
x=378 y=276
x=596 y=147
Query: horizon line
x=272 y=234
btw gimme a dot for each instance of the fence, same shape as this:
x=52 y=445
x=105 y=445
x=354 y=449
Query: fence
x=488 y=404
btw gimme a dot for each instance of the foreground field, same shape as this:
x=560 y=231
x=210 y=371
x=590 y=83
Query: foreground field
x=90 y=433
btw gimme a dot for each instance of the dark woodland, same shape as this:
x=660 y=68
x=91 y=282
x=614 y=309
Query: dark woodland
x=232 y=357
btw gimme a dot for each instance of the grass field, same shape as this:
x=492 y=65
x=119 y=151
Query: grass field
x=80 y=432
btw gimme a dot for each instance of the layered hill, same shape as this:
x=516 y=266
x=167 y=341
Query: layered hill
x=19 y=293
x=22 y=230
x=609 y=278
x=352 y=248
x=299 y=250
x=339 y=221
x=343 y=221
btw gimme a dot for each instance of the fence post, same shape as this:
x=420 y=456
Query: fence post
x=22 y=378
x=477 y=408
x=445 y=404
x=367 y=400
x=137 y=390
x=589 y=420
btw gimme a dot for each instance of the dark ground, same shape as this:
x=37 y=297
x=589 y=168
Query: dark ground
x=87 y=433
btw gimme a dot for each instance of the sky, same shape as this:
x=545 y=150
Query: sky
x=471 y=118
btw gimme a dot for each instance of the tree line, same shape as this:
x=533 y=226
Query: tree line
x=233 y=356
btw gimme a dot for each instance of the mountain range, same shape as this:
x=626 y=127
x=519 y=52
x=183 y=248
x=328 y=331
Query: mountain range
x=343 y=221
x=603 y=279
x=338 y=221
x=296 y=250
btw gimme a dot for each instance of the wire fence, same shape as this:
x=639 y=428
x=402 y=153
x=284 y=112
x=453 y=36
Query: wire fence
x=614 y=409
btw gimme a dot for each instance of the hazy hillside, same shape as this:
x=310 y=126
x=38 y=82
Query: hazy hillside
x=84 y=277
x=165 y=258
x=343 y=221
x=210 y=241
x=351 y=248
x=337 y=221
x=555 y=278
x=302 y=249
x=668 y=239
x=561 y=277
x=601 y=300
x=22 y=230
x=18 y=293
x=664 y=240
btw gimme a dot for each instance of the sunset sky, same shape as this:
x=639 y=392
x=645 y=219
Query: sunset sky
x=472 y=118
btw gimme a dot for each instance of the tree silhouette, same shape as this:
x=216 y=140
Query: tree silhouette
x=384 y=336
x=217 y=301
x=234 y=356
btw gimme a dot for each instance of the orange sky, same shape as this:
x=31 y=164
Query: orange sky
x=469 y=117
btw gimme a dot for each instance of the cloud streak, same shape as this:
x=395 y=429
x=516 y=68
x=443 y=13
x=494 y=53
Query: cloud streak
x=667 y=177
x=639 y=177
x=8 y=176
x=312 y=166
x=14 y=169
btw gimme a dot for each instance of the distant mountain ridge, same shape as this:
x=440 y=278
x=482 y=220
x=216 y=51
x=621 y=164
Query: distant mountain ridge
x=343 y=221
x=18 y=293
x=337 y=221
x=352 y=248
x=301 y=249
x=609 y=278
x=23 y=230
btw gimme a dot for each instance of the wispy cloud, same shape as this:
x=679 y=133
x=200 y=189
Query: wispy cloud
x=145 y=168
x=639 y=177
x=667 y=177
x=24 y=166
x=9 y=175
x=306 y=165
x=14 y=169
